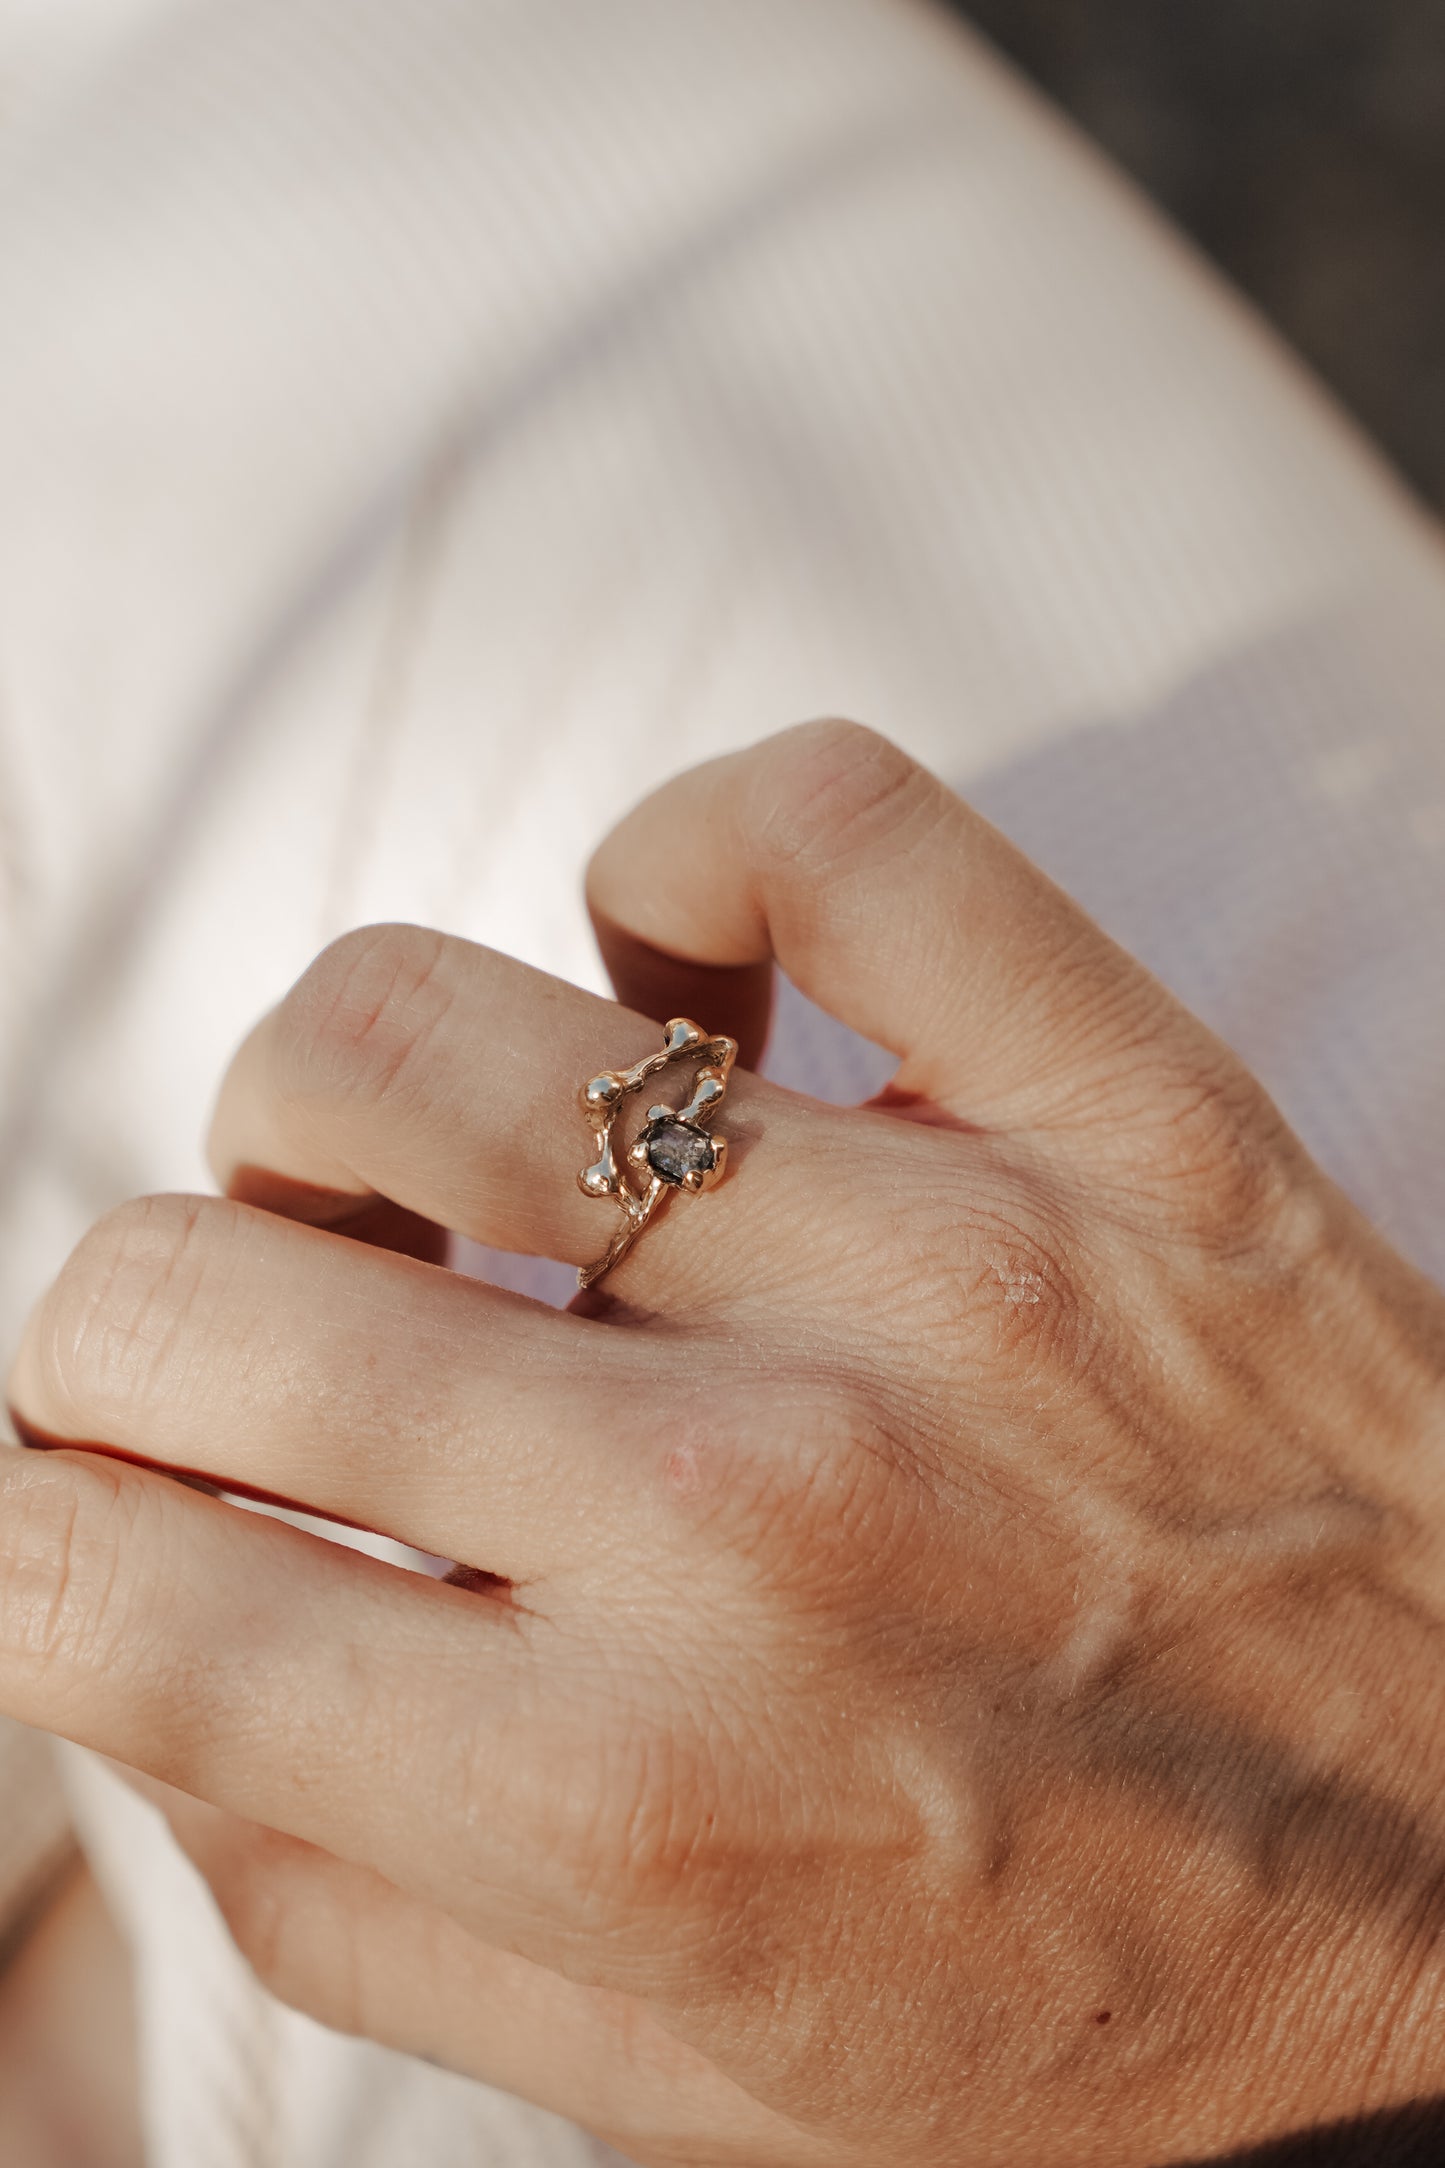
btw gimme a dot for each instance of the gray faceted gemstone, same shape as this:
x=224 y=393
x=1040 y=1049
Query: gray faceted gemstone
x=676 y=1149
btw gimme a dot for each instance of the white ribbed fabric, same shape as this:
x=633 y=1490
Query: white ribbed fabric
x=422 y=426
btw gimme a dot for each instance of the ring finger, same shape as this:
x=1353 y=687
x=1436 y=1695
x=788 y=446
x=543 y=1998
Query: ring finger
x=443 y=1076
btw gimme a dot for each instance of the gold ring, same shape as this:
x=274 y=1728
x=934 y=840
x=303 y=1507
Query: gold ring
x=673 y=1150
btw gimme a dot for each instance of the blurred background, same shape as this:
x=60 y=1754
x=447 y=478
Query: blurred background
x=1302 y=143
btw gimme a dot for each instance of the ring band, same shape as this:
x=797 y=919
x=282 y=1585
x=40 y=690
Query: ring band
x=674 y=1149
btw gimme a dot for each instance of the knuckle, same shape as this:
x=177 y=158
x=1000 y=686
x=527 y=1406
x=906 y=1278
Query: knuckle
x=628 y=1825
x=779 y=1476
x=106 y=1334
x=699 y=1836
x=246 y=1877
x=1020 y=1288
x=828 y=790
x=827 y=1478
x=64 y=1529
x=1215 y=1151
x=354 y=1024
x=655 y=1850
x=802 y=1507
x=310 y=1942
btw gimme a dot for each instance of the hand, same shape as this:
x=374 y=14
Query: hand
x=951 y=1670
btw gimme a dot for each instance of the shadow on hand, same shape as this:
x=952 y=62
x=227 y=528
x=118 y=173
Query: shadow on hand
x=1409 y=2137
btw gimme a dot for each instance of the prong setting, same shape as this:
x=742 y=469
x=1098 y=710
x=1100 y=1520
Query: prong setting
x=601 y=1092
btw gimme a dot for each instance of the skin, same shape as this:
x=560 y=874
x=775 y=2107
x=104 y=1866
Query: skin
x=950 y=1667
x=68 y=2091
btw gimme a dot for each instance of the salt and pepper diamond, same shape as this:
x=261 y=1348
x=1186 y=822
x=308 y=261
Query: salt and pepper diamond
x=676 y=1149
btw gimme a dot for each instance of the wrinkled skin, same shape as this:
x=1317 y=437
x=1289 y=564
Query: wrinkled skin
x=951 y=1666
